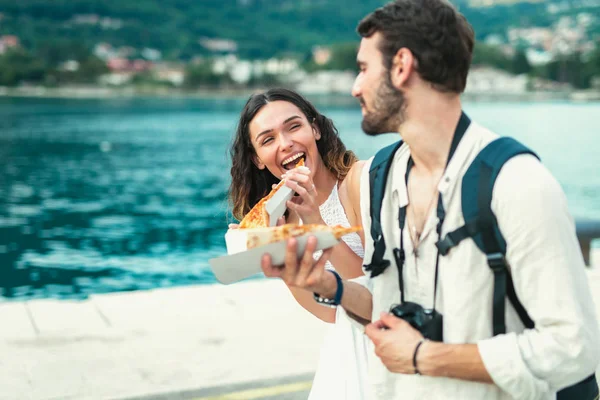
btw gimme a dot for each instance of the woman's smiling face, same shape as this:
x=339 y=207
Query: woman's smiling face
x=281 y=135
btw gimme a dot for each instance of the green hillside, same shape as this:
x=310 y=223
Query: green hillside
x=57 y=37
x=260 y=28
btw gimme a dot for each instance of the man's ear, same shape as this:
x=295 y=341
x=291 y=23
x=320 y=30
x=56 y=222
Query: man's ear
x=403 y=65
x=257 y=162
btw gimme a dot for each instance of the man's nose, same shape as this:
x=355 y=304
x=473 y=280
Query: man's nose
x=356 y=92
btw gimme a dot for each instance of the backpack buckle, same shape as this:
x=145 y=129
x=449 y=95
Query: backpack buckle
x=496 y=261
x=445 y=245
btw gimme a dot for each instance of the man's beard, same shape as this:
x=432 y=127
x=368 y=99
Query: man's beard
x=388 y=110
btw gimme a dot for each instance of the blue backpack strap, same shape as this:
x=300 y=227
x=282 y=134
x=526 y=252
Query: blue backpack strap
x=378 y=173
x=480 y=179
x=481 y=225
x=477 y=211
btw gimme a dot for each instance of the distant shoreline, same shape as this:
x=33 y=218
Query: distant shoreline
x=95 y=92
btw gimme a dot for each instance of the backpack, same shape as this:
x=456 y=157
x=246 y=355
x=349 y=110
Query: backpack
x=480 y=225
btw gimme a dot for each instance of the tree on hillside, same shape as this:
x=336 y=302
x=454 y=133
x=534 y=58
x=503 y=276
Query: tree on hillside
x=201 y=74
x=520 y=63
x=343 y=56
x=18 y=66
x=567 y=69
x=491 y=56
x=592 y=65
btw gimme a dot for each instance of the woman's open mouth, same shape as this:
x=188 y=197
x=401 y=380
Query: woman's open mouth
x=291 y=161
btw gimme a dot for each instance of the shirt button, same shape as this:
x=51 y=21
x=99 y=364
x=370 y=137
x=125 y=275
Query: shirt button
x=447 y=179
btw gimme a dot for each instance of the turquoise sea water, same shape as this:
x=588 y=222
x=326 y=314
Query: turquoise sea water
x=126 y=194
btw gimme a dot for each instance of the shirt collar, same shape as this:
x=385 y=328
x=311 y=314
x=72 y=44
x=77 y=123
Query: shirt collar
x=451 y=174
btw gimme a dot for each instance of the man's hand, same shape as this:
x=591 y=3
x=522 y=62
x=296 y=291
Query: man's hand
x=395 y=342
x=304 y=273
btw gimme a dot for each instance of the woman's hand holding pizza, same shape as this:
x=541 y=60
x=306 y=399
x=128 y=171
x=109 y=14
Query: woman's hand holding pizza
x=305 y=203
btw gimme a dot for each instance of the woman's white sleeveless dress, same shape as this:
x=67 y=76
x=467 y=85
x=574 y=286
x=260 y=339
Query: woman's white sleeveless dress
x=342 y=369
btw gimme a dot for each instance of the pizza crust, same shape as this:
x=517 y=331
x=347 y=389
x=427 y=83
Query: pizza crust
x=258 y=216
x=264 y=236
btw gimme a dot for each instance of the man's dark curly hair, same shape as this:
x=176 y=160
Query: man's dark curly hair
x=439 y=37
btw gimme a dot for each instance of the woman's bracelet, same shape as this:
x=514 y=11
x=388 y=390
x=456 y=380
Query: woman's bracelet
x=415 y=355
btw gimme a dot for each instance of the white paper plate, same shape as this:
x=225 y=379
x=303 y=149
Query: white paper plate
x=235 y=267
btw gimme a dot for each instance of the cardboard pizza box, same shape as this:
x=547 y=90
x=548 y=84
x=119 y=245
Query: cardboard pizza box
x=241 y=263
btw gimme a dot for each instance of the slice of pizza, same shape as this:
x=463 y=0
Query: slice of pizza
x=264 y=236
x=257 y=217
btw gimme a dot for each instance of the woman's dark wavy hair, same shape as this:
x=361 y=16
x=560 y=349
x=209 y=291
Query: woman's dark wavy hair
x=250 y=184
x=439 y=37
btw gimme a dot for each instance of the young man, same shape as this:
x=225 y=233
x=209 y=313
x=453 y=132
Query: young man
x=414 y=58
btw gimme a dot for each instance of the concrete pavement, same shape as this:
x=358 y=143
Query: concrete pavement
x=160 y=341
x=245 y=341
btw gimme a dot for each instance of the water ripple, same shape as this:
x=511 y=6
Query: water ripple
x=128 y=194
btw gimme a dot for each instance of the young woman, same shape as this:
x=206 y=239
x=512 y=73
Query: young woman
x=275 y=130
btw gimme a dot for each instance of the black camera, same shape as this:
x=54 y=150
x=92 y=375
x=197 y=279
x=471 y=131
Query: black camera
x=427 y=321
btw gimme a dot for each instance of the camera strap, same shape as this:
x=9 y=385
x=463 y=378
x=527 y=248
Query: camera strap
x=399 y=254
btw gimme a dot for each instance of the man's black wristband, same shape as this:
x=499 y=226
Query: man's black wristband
x=337 y=299
x=415 y=356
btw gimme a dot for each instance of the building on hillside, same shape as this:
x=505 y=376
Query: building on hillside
x=126 y=52
x=151 y=54
x=69 y=66
x=218 y=45
x=327 y=82
x=534 y=37
x=545 y=85
x=95 y=19
x=537 y=57
x=104 y=51
x=107 y=23
x=85 y=19
x=222 y=65
x=488 y=80
x=169 y=72
x=115 y=78
x=242 y=72
x=321 y=55
x=8 y=42
x=494 y=40
x=125 y=65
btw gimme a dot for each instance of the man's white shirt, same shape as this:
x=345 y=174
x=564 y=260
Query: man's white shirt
x=547 y=269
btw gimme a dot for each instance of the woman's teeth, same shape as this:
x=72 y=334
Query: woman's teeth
x=288 y=161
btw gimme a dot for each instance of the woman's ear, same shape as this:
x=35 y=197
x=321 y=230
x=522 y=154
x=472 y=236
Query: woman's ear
x=315 y=129
x=257 y=162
